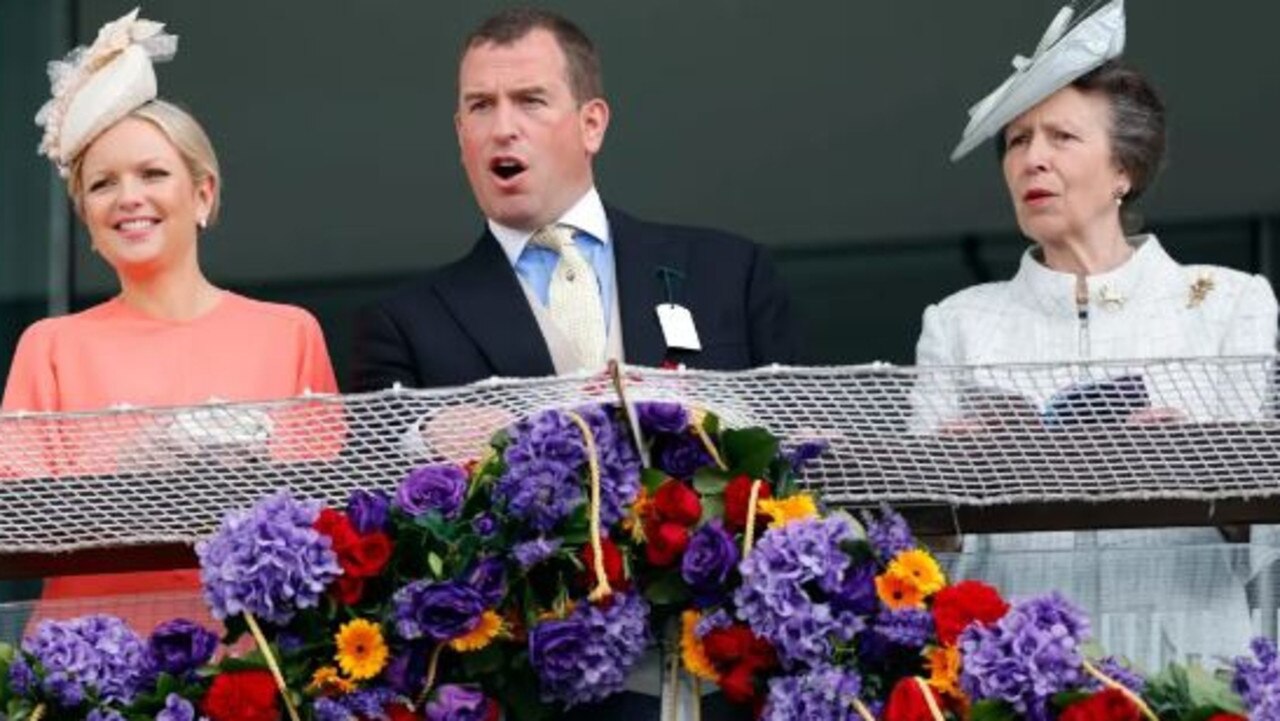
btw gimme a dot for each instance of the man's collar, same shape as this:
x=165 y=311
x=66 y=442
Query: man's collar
x=587 y=215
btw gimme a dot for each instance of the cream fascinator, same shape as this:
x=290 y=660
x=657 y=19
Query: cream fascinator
x=1067 y=51
x=96 y=86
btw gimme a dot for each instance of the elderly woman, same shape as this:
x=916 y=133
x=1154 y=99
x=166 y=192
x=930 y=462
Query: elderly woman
x=1080 y=138
x=144 y=179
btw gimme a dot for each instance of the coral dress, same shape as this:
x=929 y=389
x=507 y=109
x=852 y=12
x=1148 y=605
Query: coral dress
x=112 y=354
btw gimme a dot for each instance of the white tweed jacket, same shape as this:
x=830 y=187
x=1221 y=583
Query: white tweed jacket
x=1149 y=308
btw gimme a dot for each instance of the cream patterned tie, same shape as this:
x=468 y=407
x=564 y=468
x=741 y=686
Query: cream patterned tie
x=574 y=302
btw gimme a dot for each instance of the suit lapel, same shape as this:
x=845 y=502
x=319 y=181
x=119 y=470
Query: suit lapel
x=485 y=296
x=638 y=253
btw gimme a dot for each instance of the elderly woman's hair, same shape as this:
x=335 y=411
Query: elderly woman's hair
x=1137 y=122
x=187 y=136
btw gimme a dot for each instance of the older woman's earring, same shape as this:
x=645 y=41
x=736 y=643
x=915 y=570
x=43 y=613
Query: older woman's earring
x=202 y=223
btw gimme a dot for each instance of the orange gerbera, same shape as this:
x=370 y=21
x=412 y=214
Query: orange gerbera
x=898 y=592
x=362 y=652
x=327 y=681
x=488 y=629
x=692 y=651
x=782 y=511
x=921 y=568
x=943 y=663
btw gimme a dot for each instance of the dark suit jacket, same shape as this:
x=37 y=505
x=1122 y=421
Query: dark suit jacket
x=470 y=320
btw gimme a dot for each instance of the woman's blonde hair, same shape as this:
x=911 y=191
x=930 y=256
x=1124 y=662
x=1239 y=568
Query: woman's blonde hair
x=187 y=136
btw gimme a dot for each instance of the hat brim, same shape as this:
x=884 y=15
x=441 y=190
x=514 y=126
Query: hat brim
x=121 y=86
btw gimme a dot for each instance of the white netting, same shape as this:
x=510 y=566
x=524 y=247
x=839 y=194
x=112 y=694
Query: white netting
x=1198 y=429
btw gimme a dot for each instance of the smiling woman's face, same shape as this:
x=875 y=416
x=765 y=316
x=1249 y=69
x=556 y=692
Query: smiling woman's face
x=1059 y=168
x=139 y=201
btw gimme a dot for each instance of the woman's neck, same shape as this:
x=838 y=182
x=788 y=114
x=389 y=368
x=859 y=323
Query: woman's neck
x=173 y=295
x=1087 y=255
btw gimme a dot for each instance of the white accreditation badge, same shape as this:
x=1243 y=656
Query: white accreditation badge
x=678 y=330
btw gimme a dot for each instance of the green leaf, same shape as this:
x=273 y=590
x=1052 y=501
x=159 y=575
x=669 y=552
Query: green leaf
x=749 y=451
x=991 y=710
x=711 y=424
x=712 y=508
x=436 y=563
x=485 y=661
x=711 y=481
x=651 y=478
x=667 y=589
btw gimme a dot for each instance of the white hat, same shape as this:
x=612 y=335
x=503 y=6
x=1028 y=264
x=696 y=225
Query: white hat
x=96 y=86
x=1065 y=53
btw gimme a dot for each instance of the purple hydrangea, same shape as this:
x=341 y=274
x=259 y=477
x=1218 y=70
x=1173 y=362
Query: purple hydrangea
x=530 y=553
x=661 y=417
x=1027 y=656
x=1113 y=668
x=1257 y=680
x=93 y=655
x=176 y=708
x=679 y=456
x=619 y=462
x=823 y=694
x=712 y=621
x=858 y=592
x=803 y=454
x=708 y=560
x=364 y=704
x=437 y=610
x=268 y=561
x=889 y=534
x=586 y=656
x=453 y=702
x=439 y=488
x=541 y=493
x=368 y=510
x=789 y=582
x=21 y=678
x=101 y=714
x=911 y=627
x=180 y=646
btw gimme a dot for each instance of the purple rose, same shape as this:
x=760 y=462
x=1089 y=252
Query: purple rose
x=489 y=579
x=368 y=511
x=662 y=417
x=709 y=559
x=440 y=488
x=681 y=455
x=180 y=646
x=484 y=525
x=438 y=610
x=452 y=702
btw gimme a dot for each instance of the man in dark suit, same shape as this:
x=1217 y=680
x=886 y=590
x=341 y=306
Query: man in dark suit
x=531 y=117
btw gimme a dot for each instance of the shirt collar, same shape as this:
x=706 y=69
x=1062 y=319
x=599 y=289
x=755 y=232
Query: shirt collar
x=1056 y=291
x=586 y=215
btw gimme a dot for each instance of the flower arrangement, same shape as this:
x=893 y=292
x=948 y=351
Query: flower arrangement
x=535 y=577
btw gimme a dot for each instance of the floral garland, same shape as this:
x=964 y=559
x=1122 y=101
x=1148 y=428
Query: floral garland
x=533 y=579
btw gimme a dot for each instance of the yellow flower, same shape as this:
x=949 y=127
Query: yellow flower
x=634 y=522
x=920 y=567
x=898 y=592
x=782 y=511
x=944 y=670
x=477 y=638
x=361 y=650
x=326 y=681
x=692 y=651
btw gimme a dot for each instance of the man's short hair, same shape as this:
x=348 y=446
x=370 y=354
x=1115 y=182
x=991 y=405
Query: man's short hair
x=583 y=62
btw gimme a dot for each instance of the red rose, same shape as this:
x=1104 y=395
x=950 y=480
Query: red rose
x=727 y=646
x=1224 y=716
x=241 y=696
x=677 y=503
x=400 y=712
x=347 y=589
x=366 y=557
x=737 y=497
x=1109 y=705
x=907 y=702
x=665 y=543
x=760 y=653
x=337 y=527
x=739 y=684
x=955 y=607
x=613 y=568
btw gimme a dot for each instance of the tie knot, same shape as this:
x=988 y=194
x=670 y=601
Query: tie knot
x=555 y=237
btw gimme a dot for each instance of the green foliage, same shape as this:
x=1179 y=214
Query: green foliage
x=749 y=451
x=992 y=710
x=1190 y=693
